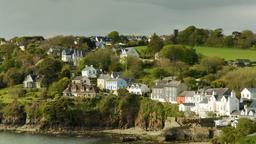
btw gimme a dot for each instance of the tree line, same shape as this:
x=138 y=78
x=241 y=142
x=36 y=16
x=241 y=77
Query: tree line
x=194 y=36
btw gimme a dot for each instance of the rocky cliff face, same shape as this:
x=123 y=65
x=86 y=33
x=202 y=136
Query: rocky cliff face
x=112 y=112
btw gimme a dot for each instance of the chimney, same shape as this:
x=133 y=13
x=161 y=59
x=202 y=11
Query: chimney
x=233 y=94
x=214 y=93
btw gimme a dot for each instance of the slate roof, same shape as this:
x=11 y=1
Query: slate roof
x=252 y=90
x=188 y=93
x=219 y=91
x=189 y=104
x=167 y=83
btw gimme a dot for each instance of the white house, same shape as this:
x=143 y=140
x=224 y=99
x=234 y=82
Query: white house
x=89 y=71
x=221 y=105
x=186 y=106
x=248 y=93
x=138 y=89
x=31 y=81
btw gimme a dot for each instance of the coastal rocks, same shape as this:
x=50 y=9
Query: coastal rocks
x=14 y=114
x=196 y=134
x=129 y=138
x=150 y=123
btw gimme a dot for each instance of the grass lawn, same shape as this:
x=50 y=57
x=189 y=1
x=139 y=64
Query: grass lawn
x=141 y=50
x=227 y=53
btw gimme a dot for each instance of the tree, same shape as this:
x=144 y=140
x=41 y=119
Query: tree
x=132 y=66
x=245 y=39
x=216 y=38
x=191 y=83
x=58 y=87
x=211 y=64
x=13 y=77
x=228 y=41
x=114 y=35
x=155 y=45
x=101 y=58
x=49 y=70
x=240 y=78
x=179 y=53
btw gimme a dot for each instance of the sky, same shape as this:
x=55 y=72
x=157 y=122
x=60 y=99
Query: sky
x=142 y=17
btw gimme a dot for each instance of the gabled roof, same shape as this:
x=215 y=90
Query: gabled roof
x=252 y=90
x=130 y=51
x=32 y=77
x=88 y=68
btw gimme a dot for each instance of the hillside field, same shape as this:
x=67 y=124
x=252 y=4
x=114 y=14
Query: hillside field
x=226 y=53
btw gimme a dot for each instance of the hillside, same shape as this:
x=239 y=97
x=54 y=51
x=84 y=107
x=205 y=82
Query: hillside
x=225 y=53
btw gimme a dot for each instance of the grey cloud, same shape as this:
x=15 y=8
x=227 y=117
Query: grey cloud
x=92 y=17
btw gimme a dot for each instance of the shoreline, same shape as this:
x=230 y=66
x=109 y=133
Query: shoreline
x=136 y=134
x=133 y=135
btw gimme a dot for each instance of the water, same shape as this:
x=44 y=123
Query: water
x=14 y=138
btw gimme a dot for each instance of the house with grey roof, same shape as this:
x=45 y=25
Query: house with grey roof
x=81 y=79
x=31 y=81
x=89 y=71
x=248 y=94
x=130 y=51
x=80 y=90
x=111 y=82
x=167 y=90
x=222 y=105
x=138 y=89
x=72 y=56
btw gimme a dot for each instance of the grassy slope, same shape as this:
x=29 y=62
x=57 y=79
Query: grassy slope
x=227 y=53
x=141 y=50
x=6 y=95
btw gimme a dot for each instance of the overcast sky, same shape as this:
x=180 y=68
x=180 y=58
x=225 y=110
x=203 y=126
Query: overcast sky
x=98 y=17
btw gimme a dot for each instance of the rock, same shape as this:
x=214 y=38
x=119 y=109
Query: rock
x=129 y=138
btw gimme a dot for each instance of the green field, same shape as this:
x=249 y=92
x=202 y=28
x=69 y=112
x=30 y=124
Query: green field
x=226 y=53
x=141 y=50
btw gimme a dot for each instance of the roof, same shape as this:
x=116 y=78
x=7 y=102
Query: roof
x=79 y=88
x=167 y=83
x=252 y=90
x=205 y=101
x=131 y=51
x=88 y=68
x=219 y=91
x=189 y=104
x=116 y=74
x=33 y=77
x=253 y=104
x=187 y=93
x=104 y=76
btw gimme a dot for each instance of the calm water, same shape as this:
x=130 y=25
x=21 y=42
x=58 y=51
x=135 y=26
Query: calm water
x=13 y=138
